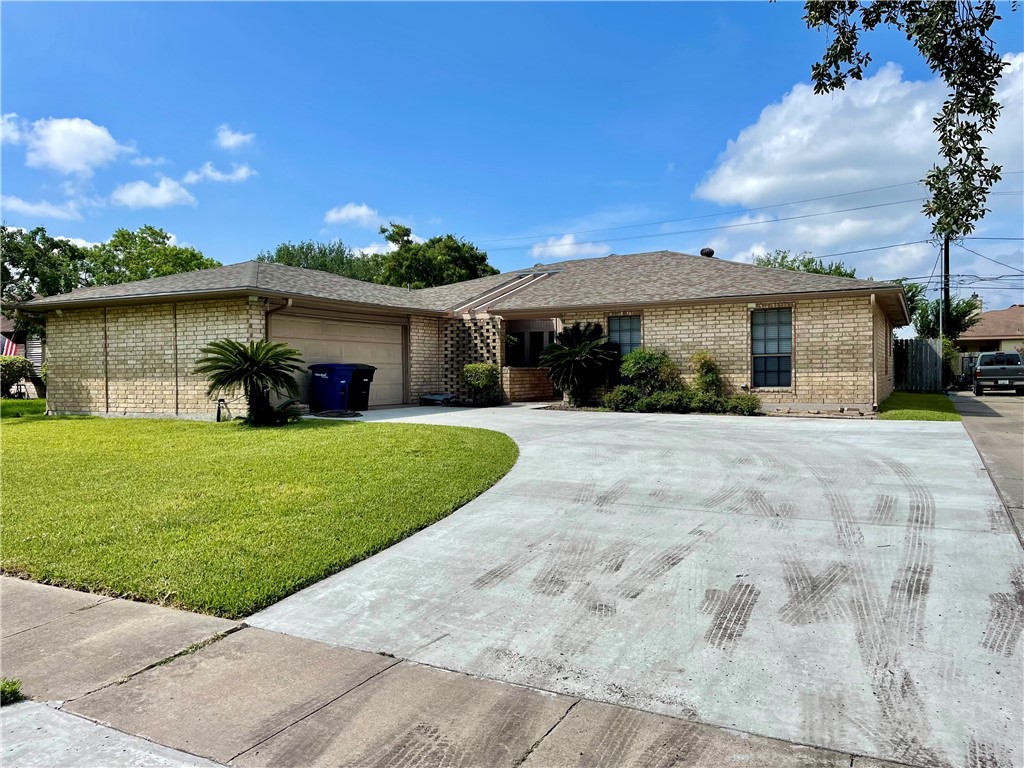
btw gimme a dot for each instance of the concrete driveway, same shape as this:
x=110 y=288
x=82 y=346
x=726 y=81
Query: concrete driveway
x=846 y=584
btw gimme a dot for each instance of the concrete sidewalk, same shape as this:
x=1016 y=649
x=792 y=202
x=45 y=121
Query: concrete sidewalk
x=135 y=684
x=995 y=423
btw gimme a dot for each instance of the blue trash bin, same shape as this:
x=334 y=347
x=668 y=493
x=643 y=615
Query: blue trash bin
x=339 y=386
x=328 y=387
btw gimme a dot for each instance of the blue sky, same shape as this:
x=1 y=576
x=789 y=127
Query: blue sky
x=577 y=128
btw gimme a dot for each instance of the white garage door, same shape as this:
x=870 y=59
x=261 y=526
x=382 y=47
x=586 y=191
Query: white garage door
x=334 y=341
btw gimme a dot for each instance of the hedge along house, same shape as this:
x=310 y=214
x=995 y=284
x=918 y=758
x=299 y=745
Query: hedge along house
x=791 y=337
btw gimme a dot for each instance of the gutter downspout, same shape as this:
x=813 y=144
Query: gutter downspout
x=874 y=358
x=268 y=313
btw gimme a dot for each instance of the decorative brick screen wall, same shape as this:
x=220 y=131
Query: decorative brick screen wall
x=467 y=340
x=138 y=360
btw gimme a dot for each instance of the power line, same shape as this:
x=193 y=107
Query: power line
x=727 y=213
x=702 y=216
x=1001 y=264
x=992 y=238
x=723 y=226
x=876 y=248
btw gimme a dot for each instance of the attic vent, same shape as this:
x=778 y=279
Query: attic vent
x=708 y=252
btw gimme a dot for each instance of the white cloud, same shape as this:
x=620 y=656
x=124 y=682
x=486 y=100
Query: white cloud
x=42 y=209
x=374 y=248
x=229 y=139
x=145 y=162
x=566 y=247
x=78 y=241
x=70 y=145
x=209 y=172
x=142 y=194
x=12 y=129
x=360 y=214
x=877 y=132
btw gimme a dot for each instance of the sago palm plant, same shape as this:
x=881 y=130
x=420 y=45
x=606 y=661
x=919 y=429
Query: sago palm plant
x=579 y=359
x=259 y=368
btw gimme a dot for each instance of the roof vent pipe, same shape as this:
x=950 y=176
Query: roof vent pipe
x=707 y=252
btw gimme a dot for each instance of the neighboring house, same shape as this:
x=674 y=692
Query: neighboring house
x=998 y=330
x=791 y=337
x=25 y=345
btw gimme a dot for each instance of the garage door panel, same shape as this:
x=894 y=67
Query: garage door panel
x=335 y=341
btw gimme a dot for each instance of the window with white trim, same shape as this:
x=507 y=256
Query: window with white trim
x=771 y=332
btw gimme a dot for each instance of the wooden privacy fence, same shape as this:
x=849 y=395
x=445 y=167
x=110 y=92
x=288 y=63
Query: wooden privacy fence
x=917 y=365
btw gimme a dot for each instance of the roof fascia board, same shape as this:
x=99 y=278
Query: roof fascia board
x=628 y=306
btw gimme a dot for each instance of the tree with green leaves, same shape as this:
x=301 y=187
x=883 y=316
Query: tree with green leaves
x=333 y=256
x=438 y=261
x=258 y=368
x=953 y=37
x=803 y=262
x=35 y=264
x=142 y=254
x=961 y=315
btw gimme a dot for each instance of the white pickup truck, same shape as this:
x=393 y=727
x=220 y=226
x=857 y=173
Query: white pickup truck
x=999 y=370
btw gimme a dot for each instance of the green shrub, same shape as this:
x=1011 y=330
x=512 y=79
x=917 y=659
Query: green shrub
x=10 y=691
x=672 y=401
x=707 y=378
x=481 y=379
x=707 y=402
x=42 y=373
x=623 y=398
x=12 y=370
x=745 y=404
x=650 y=371
x=259 y=368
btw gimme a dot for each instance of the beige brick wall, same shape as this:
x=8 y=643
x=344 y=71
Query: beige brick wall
x=832 y=345
x=883 y=354
x=424 y=356
x=138 y=359
x=75 y=371
x=521 y=385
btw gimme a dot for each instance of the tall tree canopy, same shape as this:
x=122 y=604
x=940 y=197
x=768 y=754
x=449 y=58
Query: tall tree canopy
x=803 y=262
x=439 y=261
x=963 y=313
x=334 y=257
x=953 y=37
x=35 y=264
x=147 y=252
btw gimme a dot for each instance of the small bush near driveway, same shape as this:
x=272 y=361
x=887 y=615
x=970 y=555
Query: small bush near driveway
x=223 y=518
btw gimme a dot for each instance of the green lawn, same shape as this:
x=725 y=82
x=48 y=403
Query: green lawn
x=12 y=409
x=222 y=518
x=917 y=406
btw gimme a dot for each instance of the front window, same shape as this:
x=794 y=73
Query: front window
x=772 y=343
x=624 y=332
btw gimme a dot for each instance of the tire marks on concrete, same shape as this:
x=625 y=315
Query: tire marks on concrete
x=421 y=746
x=885 y=626
x=813 y=598
x=654 y=568
x=981 y=754
x=884 y=510
x=1006 y=617
x=570 y=563
x=730 y=610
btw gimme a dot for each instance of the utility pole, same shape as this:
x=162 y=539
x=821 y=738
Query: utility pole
x=945 y=282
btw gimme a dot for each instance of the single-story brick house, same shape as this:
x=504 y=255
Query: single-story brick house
x=788 y=336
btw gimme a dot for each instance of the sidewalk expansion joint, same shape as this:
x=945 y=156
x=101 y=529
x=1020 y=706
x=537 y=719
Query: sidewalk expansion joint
x=187 y=651
x=546 y=733
x=317 y=709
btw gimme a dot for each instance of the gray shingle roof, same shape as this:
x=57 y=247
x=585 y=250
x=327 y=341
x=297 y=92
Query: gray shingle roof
x=247 y=277
x=667 y=276
x=643 y=278
x=997 y=324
